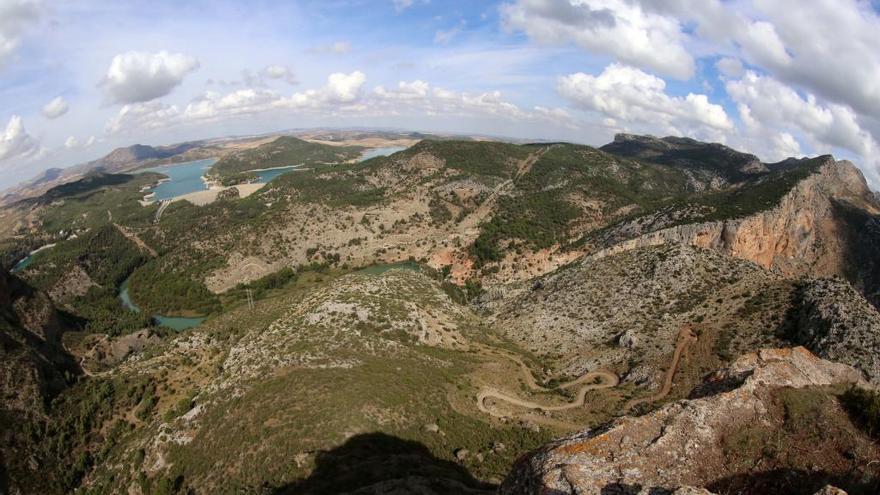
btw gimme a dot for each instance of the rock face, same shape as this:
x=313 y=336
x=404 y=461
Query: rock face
x=803 y=235
x=726 y=441
x=836 y=323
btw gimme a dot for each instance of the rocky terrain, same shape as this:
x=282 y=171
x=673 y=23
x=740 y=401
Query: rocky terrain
x=34 y=368
x=417 y=322
x=746 y=430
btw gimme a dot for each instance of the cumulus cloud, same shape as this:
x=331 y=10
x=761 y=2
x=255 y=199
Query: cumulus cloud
x=15 y=142
x=619 y=28
x=55 y=108
x=281 y=72
x=143 y=116
x=765 y=102
x=807 y=44
x=629 y=95
x=136 y=77
x=343 y=94
x=15 y=17
x=73 y=143
x=341 y=89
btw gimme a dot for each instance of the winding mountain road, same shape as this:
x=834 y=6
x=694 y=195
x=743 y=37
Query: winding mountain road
x=686 y=336
x=597 y=379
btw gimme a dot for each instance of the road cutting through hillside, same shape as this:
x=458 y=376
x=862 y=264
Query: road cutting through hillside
x=599 y=379
x=686 y=336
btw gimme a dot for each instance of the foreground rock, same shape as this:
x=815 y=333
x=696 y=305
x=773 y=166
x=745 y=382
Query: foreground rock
x=770 y=423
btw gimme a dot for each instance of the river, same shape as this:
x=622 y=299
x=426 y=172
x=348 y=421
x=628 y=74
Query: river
x=175 y=323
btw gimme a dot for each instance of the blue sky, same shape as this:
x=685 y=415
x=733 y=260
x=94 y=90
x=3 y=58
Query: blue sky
x=774 y=77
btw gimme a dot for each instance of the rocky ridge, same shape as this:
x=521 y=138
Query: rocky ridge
x=799 y=236
x=709 y=441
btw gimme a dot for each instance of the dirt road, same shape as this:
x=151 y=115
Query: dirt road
x=686 y=336
x=592 y=381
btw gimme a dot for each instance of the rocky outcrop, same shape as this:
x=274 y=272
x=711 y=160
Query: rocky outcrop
x=726 y=440
x=228 y=194
x=836 y=323
x=801 y=235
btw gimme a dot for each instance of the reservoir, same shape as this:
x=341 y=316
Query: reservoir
x=185 y=178
x=175 y=323
x=388 y=150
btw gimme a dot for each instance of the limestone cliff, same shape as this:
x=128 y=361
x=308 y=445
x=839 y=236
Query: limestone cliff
x=752 y=428
x=805 y=234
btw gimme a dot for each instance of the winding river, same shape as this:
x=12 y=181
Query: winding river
x=173 y=322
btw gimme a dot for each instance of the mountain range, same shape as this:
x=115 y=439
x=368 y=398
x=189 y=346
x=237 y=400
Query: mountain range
x=657 y=315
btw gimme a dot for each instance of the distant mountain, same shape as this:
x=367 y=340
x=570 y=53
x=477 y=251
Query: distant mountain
x=140 y=152
x=689 y=154
x=283 y=152
x=48 y=176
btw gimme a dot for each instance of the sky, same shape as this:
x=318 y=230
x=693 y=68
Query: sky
x=777 y=78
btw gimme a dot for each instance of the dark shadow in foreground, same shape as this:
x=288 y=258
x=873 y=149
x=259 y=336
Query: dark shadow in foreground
x=795 y=482
x=380 y=463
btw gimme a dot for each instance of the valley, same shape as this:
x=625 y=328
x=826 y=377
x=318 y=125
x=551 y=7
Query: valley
x=457 y=305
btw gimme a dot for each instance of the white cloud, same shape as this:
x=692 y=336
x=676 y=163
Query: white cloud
x=15 y=142
x=55 y=108
x=343 y=87
x=136 y=77
x=618 y=28
x=73 y=143
x=143 y=116
x=768 y=103
x=280 y=72
x=806 y=44
x=730 y=67
x=342 y=95
x=635 y=98
x=15 y=17
x=341 y=90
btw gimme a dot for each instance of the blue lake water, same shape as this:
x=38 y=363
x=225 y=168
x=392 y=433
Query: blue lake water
x=267 y=175
x=185 y=178
x=388 y=150
x=21 y=265
x=172 y=322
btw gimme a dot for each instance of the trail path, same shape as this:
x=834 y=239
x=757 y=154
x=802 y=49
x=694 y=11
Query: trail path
x=685 y=338
x=135 y=239
x=597 y=379
x=485 y=208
